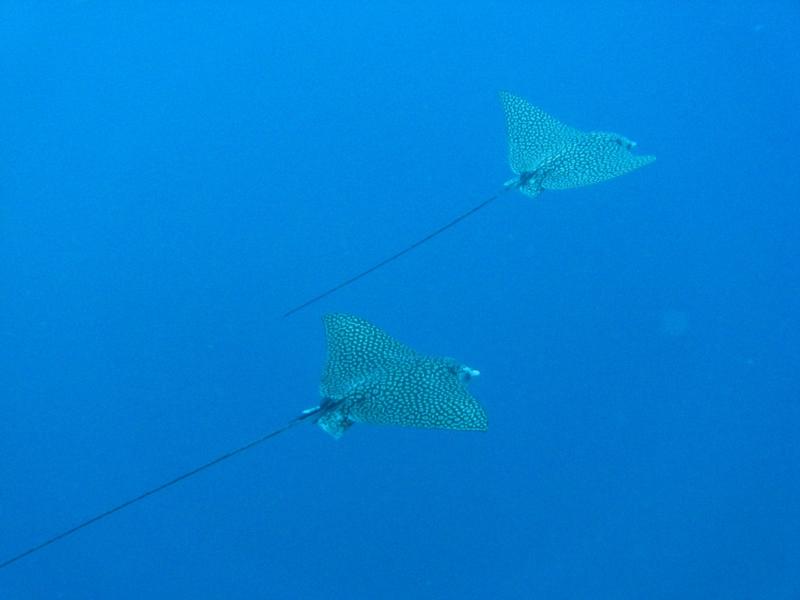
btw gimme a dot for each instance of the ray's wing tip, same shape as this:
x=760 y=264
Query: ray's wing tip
x=478 y=420
x=329 y=321
x=645 y=159
x=337 y=318
x=507 y=98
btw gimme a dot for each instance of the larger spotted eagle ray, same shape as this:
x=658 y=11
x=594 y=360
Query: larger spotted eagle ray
x=544 y=154
x=369 y=377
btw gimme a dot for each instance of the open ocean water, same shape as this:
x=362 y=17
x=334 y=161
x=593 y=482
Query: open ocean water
x=175 y=176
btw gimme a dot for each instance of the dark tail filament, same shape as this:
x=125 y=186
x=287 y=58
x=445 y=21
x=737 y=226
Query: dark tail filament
x=397 y=255
x=310 y=414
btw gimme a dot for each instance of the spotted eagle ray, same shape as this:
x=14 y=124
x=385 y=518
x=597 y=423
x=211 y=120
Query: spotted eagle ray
x=544 y=154
x=369 y=377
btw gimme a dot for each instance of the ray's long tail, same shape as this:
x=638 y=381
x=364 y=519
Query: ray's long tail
x=308 y=415
x=406 y=250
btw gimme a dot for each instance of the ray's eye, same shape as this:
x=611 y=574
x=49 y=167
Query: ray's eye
x=626 y=143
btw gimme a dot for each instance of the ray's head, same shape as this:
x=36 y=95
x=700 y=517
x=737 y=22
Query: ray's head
x=463 y=372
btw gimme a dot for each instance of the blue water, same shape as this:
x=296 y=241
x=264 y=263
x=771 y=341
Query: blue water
x=175 y=176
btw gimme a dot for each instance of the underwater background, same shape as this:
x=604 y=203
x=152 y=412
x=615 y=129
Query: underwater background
x=175 y=176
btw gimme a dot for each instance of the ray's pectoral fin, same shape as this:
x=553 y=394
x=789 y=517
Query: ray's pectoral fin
x=533 y=135
x=372 y=378
x=595 y=157
x=427 y=393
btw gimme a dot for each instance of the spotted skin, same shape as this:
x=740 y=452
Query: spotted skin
x=373 y=378
x=533 y=135
x=548 y=155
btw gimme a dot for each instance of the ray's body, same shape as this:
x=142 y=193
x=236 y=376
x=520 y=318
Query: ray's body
x=369 y=377
x=544 y=154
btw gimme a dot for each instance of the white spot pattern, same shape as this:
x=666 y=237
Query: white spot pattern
x=554 y=156
x=381 y=381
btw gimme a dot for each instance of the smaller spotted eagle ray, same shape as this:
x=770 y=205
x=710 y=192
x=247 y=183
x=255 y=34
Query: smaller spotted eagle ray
x=369 y=377
x=544 y=154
